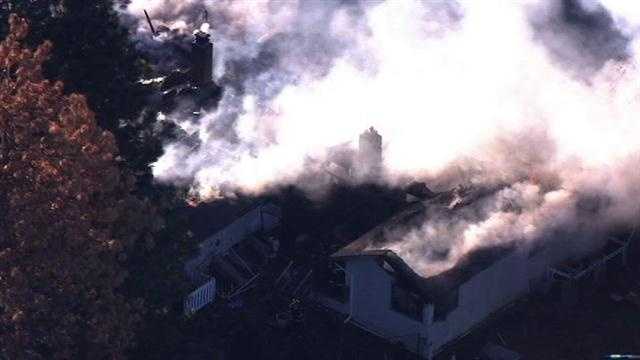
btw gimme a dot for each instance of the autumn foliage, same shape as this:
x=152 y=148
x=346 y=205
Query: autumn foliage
x=67 y=219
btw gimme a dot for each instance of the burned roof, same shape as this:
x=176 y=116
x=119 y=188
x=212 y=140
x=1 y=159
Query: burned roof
x=413 y=215
x=420 y=190
x=377 y=237
x=433 y=289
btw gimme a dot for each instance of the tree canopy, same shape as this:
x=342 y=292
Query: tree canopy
x=67 y=218
x=93 y=55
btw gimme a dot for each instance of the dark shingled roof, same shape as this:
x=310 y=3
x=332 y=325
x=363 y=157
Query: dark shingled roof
x=376 y=237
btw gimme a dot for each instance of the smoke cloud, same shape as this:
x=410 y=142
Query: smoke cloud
x=579 y=35
x=537 y=100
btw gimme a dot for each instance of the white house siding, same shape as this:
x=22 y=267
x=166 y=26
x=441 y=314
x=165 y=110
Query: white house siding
x=538 y=264
x=370 y=294
x=486 y=292
x=495 y=287
x=483 y=294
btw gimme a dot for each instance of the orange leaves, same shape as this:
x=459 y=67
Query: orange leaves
x=89 y=149
x=54 y=128
x=65 y=222
x=18 y=28
x=42 y=53
x=22 y=65
x=45 y=167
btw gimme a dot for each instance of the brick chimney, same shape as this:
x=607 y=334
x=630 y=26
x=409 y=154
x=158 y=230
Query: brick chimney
x=202 y=59
x=370 y=153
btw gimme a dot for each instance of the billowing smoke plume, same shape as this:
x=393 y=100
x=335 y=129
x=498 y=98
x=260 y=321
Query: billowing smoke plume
x=537 y=100
x=580 y=35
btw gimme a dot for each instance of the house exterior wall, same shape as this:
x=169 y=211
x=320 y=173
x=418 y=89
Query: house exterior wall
x=369 y=306
x=484 y=294
x=542 y=259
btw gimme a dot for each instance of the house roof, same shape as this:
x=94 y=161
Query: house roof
x=376 y=238
x=442 y=204
x=433 y=289
x=577 y=268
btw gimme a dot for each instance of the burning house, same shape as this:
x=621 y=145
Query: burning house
x=377 y=290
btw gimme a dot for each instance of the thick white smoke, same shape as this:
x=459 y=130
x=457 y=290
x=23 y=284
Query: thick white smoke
x=475 y=86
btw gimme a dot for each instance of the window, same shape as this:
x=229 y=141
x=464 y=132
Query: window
x=406 y=302
x=337 y=286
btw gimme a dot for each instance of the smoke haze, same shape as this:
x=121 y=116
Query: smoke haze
x=536 y=99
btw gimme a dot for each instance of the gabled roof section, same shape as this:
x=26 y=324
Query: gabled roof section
x=433 y=289
x=373 y=241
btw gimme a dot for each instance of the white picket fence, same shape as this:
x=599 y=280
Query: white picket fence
x=200 y=297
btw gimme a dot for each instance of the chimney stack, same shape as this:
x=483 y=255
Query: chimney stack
x=370 y=153
x=202 y=58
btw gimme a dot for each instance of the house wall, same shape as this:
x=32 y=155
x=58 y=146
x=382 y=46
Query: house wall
x=369 y=306
x=483 y=294
x=493 y=288
x=542 y=259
